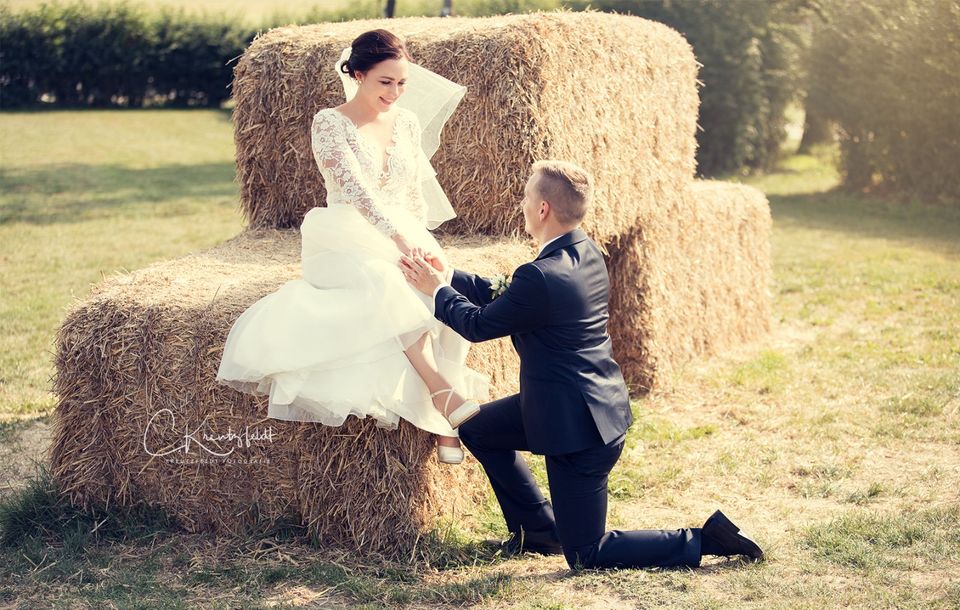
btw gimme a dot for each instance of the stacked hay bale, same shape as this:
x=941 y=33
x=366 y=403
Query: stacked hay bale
x=690 y=281
x=549 y=86
x=540 y=86
x=543 y=86
x=141 y=417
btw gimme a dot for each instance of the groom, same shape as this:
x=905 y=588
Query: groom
x=573 y=406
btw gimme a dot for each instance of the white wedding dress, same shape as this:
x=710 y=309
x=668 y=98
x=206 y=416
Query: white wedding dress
x=332 y=344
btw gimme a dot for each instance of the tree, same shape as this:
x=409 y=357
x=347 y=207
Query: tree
x=390 y=9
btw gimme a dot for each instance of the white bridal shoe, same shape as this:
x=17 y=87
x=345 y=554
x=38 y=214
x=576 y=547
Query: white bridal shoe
x=468 y=410
x=449 y=455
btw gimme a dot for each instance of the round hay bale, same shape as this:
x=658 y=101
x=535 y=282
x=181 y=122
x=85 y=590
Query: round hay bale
x=616 y=94
x=141 y=419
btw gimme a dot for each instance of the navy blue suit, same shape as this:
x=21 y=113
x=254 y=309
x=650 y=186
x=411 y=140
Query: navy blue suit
x=573 y=406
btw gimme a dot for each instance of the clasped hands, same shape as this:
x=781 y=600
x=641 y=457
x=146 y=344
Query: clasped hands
x=424 y=270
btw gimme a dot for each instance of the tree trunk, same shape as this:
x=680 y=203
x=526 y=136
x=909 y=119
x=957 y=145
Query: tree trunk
x=447 y=10
x=390 y=9
x=816 y=130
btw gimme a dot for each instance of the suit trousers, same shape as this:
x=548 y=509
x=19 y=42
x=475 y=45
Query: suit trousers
x=578 y=490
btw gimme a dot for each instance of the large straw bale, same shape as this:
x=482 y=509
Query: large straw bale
x=616 y=94
x=691 y=281
x=152 y=340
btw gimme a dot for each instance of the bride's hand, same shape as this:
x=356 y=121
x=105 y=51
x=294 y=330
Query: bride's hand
x=402 y=244
x=416 y=252
x=421 y=274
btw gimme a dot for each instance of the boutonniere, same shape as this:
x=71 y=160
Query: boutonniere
x=499 y=284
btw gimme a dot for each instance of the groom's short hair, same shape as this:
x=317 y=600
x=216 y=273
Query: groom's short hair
x=567 y=187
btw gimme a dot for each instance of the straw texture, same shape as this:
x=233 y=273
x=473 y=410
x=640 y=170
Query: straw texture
x=152 y=339
x=616 y=94
x=691 y=281
x=689 y=266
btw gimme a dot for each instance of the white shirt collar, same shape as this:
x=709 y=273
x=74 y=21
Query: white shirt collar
x=544 y=246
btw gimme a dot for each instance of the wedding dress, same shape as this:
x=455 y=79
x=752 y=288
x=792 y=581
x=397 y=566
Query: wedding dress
x=331 y=344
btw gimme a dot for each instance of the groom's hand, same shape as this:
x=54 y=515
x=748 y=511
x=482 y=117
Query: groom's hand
x=430 y=257
x=422 y=275
x=434 y=261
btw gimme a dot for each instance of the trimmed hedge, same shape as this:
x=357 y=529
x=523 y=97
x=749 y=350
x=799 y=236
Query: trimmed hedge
x=887 y=73
x=116 y=55
x=123 y=55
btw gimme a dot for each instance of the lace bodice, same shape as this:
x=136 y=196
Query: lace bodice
x=350 y=164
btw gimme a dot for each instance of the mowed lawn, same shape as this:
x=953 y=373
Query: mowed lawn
x=835 y=440
x=86 y=194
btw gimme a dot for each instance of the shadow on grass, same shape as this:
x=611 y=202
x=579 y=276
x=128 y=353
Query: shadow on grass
x=105 y=558
x=43 y=537
x=37 y=513
x=10 y=429
x=68 y=193
x=923 y=225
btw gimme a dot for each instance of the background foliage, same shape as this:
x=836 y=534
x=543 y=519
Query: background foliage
x=883 y=72
x=886 y=72
x=751 y=52
x=119 y=54
x=116 y=55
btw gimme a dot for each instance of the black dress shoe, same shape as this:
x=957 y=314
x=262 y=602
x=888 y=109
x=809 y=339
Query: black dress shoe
x=530 y=542
x=725 y=538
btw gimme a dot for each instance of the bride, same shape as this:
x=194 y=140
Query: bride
x=352 y=337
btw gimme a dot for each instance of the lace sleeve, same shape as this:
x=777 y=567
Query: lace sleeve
x=421 y=171
x=338 y=164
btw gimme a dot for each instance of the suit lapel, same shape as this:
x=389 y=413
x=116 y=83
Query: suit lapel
x=567 y=239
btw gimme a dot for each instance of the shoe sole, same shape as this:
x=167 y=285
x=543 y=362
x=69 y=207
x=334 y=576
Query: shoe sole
x=727 y=528
x=463 y=414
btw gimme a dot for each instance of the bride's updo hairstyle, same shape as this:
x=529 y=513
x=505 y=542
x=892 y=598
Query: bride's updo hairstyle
x=370 y=48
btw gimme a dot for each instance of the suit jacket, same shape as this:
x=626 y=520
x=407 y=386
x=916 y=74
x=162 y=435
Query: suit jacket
x=572 y=394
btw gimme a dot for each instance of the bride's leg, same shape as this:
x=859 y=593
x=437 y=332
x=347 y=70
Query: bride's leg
x=420 y=355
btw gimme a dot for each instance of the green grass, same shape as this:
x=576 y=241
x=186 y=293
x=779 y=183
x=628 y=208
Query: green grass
x=835 y=441
x=85 y=194
x=867 y=541
x=763 y=374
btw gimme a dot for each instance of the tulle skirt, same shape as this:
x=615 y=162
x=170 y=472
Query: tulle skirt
x=331 y=344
